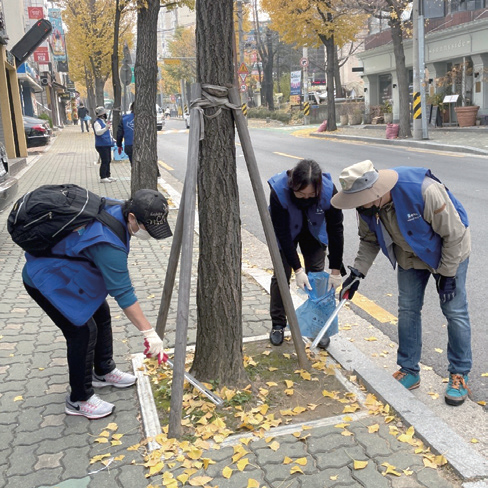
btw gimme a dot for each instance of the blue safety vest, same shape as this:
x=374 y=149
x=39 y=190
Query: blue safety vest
x=128 y=125
x=75 y=287
x=315 y=213
x=409 y=208
x=106 y=138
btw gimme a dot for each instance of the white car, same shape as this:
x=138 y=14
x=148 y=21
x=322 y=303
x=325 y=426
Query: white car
x=159 y=118
x=186 y=117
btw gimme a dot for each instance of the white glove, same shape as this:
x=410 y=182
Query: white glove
x=301 y=279
x=154 y=344
x=335 y=281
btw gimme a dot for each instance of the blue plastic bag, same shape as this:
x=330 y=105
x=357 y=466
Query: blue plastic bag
x=320 y=304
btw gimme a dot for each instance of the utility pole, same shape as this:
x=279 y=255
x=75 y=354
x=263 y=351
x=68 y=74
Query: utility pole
x=420 y=130
x=306 y=105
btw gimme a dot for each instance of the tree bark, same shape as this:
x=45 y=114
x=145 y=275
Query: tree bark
x=145 y=160
x=402 y=77
x=218 y=353
x=337 y=76
x=330 y=50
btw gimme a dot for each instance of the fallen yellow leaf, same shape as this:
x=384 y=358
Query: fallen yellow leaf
x=373 y=428
x=288 y=383
x=287 y=460
x=474 y=441
x=440 y=351
x=200 y=480
x=390 y=469
x=301 y=461
x=370 y=339
x=275 y=445
x=18 y=398
x=333 y=478
x=112 y=426
x=252 y=483
x=360 y=464
x=242 y=464
x=102 y=440
x=296 y=469
x=227 y=472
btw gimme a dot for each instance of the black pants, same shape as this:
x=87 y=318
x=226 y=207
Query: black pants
x=128 y=151
x=105 y=158
x=314 y=256
x=90 y=346
x=84 y=123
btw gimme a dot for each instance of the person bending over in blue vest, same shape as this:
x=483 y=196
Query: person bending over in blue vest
x=302 y=215
x=72 y=290
x=420 y=226
x=125 y=132
x=103 y=144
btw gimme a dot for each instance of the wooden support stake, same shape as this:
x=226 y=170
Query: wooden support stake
x=279 y=270
x=176 y=405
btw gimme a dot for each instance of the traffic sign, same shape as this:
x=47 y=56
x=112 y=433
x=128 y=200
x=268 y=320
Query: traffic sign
x=243 y=77
x=125 y=74
x=243 y=88
x=304 y=62
x=243 y=69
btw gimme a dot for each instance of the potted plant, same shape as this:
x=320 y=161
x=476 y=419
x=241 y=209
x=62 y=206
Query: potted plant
x=466 y=115
x=387 y=109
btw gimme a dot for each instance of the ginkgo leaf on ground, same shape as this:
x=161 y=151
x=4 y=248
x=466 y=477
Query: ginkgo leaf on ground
x=373 y=428
x=227 y=472
x=296 y=469
x=360 y=464
x=252 y=483
x=390 y=469
x=199 y=480
x=287 y=460
x=301 y=461
x=241 y=464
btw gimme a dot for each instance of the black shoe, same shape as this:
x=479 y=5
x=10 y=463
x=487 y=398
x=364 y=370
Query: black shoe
x=324 y=342
x=277 y=335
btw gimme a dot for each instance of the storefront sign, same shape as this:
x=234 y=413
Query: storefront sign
x=36 y=12
x=41 y=55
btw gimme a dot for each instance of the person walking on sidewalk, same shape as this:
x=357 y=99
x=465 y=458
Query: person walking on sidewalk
x=83 y=116
x=72 y=290
x=421 y=226
x=103 y=144
x=301 y=214
x=125 y=132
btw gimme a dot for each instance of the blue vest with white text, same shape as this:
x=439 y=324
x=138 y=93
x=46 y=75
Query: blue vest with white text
x=75 y=287
x=315 y=213
x=106 y=138
x=128 y=125
x=409 y=208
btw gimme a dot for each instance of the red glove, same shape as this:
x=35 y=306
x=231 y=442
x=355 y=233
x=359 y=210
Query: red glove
x=119 y=150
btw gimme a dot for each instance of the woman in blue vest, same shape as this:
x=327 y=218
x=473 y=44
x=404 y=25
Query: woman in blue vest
x=72 y=290
x=302 y=215
x=419 y=224
x=103 y=144
x=125 y=132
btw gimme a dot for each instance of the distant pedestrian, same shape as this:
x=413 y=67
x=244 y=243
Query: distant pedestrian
x=125 y=132
x=103 y=144
x=420 y=225
x=83 y=116
x=72 y=284
x=302 y=215
x=167 y=112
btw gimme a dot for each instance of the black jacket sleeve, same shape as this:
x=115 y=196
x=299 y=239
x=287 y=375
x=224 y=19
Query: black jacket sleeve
x=281 y=224
x=334 y=220
x=120 y=133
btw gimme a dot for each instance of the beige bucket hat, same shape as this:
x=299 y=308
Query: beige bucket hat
x=361 y=183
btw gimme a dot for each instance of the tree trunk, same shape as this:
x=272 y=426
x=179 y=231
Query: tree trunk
x=337 y=76
x=99 y=86
x=330 y=50
x=145 y=160
x=268 y=71
x=402 y=77
x=218 y=353
x=115 y=71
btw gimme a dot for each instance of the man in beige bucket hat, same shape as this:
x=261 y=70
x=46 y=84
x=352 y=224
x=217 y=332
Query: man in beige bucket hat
x=420 y=225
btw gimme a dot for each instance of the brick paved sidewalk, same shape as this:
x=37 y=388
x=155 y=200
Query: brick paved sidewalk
x=42 y=447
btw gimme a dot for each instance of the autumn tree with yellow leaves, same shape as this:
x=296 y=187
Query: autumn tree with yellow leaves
x=314 y=22
x=89 y=39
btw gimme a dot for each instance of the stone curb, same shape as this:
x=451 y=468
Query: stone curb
x=405 y=143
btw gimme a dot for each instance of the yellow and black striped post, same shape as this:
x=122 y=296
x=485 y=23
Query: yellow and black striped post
x=417 y=106
x=306 y=109
x=244 y=109
x=186 y=109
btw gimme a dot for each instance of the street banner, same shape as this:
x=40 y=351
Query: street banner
x=295 y=82
x=57 y=36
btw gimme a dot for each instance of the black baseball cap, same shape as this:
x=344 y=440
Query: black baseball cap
x=151 y=209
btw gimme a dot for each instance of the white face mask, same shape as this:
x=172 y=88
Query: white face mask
x=141 y=234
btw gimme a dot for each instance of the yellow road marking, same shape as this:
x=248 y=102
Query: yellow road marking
x=165 y=166
x=371 y=308
x=287 y=155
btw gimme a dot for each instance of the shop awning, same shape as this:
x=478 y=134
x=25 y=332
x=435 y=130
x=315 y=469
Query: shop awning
x=26 y=80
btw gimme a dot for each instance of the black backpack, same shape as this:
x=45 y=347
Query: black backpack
x=45 y=216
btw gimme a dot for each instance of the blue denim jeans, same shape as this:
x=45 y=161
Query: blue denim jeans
x=411 y=289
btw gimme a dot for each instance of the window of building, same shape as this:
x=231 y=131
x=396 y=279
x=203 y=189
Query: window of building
x=385 y=87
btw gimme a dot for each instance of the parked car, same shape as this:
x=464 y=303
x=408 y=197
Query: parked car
x=186 y=116
x=37 y=131
x=8 y=184
x=159 y=118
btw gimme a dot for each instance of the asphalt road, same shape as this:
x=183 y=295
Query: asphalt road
x=465 y=175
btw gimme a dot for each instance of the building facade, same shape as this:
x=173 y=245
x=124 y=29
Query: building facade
x=456 y=56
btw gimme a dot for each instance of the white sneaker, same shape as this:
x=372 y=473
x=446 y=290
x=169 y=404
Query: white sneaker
x=93 y=408
x=105 y=180
x=112 y=179
x=116 y=378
